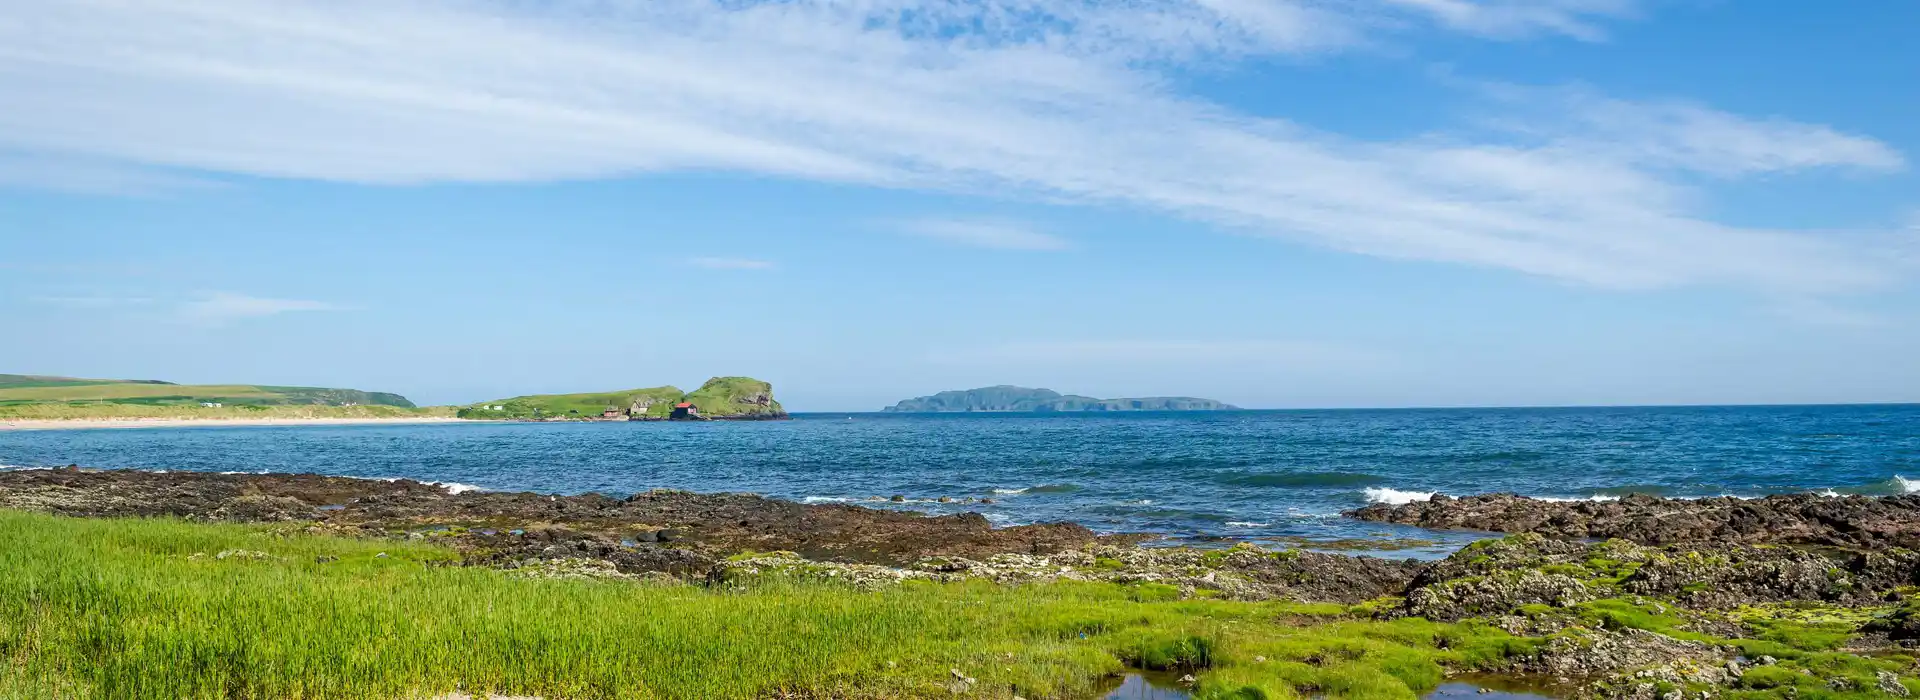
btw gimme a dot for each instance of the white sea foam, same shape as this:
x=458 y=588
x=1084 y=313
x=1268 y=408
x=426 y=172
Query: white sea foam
x=1010 y=492
x=1143 y=502
x=453 y=487
x=1395 y=497
x=1906 y=485
x=826 y=499
x=1245 y=524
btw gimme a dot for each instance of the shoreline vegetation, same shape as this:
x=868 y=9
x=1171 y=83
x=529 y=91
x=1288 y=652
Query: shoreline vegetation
x=190 y=585
x=46 y=402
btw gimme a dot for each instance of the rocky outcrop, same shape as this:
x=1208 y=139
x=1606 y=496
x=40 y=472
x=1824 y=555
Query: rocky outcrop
x=1496 y=577
x=736 y=398
x=1850 y=521
x=676 y=519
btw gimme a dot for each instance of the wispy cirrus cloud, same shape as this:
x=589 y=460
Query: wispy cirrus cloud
x=731 y=263
x=1059 y=100
x=983 y=233
x=1580 y=19
x=223 y=308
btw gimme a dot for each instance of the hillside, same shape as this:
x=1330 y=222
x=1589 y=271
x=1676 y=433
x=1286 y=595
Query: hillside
x=28 y=390
x=1014 y=399
x=726 y=398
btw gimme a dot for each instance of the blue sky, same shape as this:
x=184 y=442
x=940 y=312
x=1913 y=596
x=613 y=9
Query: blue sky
x=1277 y=203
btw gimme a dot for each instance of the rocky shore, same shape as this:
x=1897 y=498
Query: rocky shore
x=1640 y=598
x=1810 y=519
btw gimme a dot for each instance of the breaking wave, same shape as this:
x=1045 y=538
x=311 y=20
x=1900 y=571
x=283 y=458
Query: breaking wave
x=1395 y=497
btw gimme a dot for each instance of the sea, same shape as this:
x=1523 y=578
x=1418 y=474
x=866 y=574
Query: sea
x=1279 y=477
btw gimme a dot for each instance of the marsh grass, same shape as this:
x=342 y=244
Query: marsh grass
x=125 y=609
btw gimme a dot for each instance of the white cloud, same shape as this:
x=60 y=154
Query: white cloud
x=999 y=235
x=1512 y=18
x=731 y=263
x=221 y=308
x=1051 y=99
x=1681 y=135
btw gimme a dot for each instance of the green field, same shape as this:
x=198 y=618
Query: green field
x=27 y=390
x=134 y=411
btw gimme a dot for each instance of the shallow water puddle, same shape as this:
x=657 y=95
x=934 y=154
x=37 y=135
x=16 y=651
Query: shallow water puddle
x=1139 y=687
x=1469 y=690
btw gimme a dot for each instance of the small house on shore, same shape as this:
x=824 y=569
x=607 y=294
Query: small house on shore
x=685 y=411
x=612 y=412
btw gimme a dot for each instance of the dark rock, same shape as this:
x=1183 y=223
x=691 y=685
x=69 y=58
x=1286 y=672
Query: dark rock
x=1853 y=521
x=721 y=523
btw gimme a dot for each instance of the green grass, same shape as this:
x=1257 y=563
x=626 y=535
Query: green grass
x=18 y=390
x=574 y=405
x=134 y=411
x=732 y=396
x=18 y=381
x=122 y=609
x=718 y=397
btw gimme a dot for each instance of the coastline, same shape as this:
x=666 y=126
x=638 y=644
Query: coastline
x=1785 y=610
x=125 y=423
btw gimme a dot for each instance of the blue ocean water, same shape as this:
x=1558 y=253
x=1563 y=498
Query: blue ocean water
x=1245 y=474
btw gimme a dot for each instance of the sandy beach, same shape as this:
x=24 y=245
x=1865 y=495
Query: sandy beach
x=84 y=424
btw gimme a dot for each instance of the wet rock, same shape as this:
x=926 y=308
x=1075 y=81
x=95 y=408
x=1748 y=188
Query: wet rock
x=1853 y=521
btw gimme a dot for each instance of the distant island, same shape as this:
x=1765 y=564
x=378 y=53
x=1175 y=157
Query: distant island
x=1015 y=399
x=721 y=398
